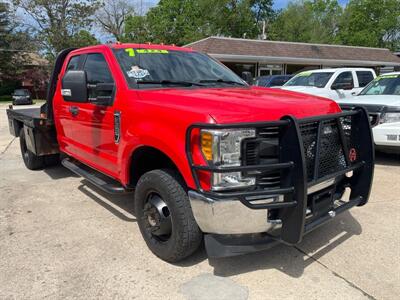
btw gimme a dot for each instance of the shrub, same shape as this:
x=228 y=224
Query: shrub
x=5 y=98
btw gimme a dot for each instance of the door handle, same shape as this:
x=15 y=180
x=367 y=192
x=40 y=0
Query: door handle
x=74 y=110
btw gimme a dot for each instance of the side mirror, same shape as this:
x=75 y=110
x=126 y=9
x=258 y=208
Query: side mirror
x=104 y=93
x=248 y=77
x=74 y=86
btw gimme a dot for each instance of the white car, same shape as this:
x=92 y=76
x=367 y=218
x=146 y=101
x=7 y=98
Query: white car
x=382 y=100
x=334 y=84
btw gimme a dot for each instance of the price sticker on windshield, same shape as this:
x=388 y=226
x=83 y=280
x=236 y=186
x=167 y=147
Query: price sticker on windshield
x=387 y=76
x=304 y=74
x=151 y=51
x=132 y=52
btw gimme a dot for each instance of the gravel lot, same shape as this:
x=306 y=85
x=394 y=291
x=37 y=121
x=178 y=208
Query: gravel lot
x=62 y=238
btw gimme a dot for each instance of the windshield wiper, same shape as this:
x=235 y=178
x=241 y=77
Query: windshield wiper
x=220 y=80
x=172 y=82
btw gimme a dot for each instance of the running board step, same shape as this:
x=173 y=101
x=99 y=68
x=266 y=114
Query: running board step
x=103 y=182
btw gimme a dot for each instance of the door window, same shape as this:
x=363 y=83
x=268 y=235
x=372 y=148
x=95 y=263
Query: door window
x=344 y=81
x=364 y=77
x=73 y=63
x=97 y=71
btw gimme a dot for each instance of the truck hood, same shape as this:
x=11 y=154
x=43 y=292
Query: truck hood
x=307 y=90
x=248 y=104
x=388 y=100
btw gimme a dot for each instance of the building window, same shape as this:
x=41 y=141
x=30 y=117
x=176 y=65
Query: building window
x=239 y=68
x=265 y=70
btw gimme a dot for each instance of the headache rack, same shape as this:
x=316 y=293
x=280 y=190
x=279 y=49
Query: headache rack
x=308 y=152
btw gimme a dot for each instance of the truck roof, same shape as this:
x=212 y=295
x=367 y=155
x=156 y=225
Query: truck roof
x=136 y=45
x=338 y=70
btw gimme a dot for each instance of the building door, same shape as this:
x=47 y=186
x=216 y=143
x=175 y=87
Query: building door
x=266 y=70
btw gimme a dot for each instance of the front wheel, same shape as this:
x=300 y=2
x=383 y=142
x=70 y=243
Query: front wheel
x=165 y=216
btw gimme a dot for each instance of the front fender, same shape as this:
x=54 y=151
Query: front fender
x=168 y=140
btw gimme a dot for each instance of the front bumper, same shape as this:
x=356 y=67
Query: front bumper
x=219 y=246
x=228 y=216
x=303 y=201
x=387 y=135
x=20 y=101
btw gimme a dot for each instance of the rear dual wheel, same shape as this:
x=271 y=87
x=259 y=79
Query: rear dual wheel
x=32 y=161
x=165 y=216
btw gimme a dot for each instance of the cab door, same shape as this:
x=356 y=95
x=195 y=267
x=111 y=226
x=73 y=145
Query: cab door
x=343 y=85
x=89 y=127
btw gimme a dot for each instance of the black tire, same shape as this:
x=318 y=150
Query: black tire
x=31 y=161
x=185 y=237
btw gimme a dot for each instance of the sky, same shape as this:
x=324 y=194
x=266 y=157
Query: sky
x=278 y=4
x=142 y=7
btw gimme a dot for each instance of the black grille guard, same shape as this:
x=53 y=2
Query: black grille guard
x=292 y=164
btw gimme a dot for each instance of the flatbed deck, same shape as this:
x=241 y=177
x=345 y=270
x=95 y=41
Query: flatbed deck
x=28 y=116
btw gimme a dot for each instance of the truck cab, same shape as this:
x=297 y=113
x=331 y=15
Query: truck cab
x=333 y=84
x=204 y=155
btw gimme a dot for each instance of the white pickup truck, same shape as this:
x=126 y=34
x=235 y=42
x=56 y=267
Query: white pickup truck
x=381 y=98
x=334 y=84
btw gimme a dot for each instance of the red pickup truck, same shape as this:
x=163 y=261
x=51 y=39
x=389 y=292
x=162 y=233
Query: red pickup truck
x=205 y=154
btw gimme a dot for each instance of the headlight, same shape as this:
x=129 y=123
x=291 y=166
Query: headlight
x=223 y=148
x=391 y=117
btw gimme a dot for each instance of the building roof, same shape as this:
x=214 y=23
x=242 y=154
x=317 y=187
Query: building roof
x=247 y=50
x=34 y=59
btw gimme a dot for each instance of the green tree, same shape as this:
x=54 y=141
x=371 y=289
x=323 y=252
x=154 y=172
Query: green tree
x=137 y=30
x=12 y=42
x=57 y=22
x=112 y=16
x=235 y=18
x=6 y=54
x=176 y=22
x=183 y=21
x=84 y=38
x=314 y=21
x=371 y=23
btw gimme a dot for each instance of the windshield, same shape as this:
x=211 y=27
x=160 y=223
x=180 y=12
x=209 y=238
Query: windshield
x=383 y=85
x=317 y=79
x=21 y=93
x=160 y=68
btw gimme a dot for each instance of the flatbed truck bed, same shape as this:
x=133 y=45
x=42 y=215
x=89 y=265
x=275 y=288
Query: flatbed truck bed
x=40 y=133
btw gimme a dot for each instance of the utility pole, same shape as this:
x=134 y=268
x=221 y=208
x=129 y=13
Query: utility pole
x=264 y=35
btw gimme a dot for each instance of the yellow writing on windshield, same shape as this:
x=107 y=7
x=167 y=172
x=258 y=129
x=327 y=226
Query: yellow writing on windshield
x=303 y=74
x=131 y=51
x=151 y=51
x=387 y=76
